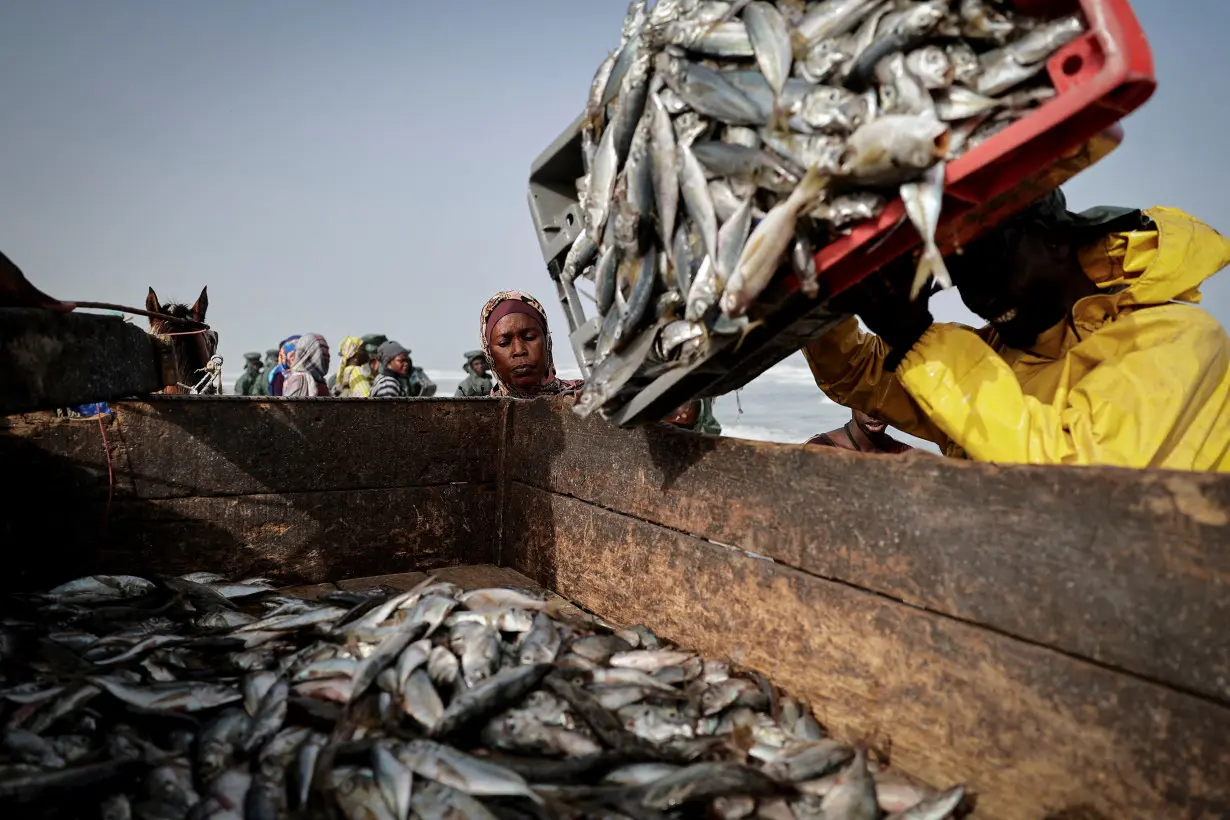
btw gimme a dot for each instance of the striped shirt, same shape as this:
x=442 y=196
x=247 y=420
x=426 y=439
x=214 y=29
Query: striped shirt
x=387 y=387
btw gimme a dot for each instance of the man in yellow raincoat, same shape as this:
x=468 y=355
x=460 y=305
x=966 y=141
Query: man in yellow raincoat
x=1090 y=355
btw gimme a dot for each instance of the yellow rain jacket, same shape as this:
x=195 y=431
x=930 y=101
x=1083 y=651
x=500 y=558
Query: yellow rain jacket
x=1142 y=381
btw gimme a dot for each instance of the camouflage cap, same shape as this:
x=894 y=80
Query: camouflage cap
x=471 y=355
x=253 y=357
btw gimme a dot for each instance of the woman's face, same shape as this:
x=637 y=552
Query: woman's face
x=400 y=364
x=519 y=351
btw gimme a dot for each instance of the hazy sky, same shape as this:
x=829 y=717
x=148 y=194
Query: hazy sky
x=359 y=167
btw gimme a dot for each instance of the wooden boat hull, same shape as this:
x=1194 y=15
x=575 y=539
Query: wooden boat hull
x=1054 y=637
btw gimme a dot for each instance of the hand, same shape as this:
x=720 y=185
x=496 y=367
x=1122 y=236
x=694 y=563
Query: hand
x=883 y=302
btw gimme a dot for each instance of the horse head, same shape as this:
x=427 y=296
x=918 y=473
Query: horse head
x=193 y=345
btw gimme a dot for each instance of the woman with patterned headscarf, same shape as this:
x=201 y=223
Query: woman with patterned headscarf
x=517 y=344
x=286 y=355
x=353 y=380
x=307 y=373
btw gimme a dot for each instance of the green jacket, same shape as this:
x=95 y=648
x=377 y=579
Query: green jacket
x=474 y=384
x=250 y=382
x=706 y=422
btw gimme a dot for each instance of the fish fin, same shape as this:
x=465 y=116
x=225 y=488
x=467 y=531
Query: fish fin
x=780 y=119
x=746 y=330
x=930 y=264
x=811 y=186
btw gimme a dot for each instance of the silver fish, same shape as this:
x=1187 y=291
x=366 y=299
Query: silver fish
x=923 y=202
x=478 y=646
x=479 y=702
x=724 y=159
x=846 y=209
x=665 y=169
x=704 y=781
x=604 y=278
x=412 y=657
x=966 y=68
x=541 y=644
x=725 y=204
x=671 y=101
x=644 y=274
x=933 y=808
x=895 y=147
x=831 y=18
x=359 y=796
x=99 y=588
x=981 y=22
x=690 y=127
x=830 y=109
x=386 y=651
x=731 y=239
x=609 y=377
x=601 y=185
x=696 y=198
x=254 y=687
x=931 y=65
x=901 y=91
x=686 y=255
x=707 y=92
x=1018 y=61
x=676 y=334
x=649 y=660
x=393 y=778
x=170 y=697
x=633 y=92
x=420 y=700
x=460 y=771
x=959 y=103
x=821 y=151
x=503 y=598
x=771 y=42
x=582 y=252
x=728 y=40
x=803 y=263
x=637 y=204
x=705 y=291
x=853 y=796
x=765 y=247
x=437 y=802
x=269 y=718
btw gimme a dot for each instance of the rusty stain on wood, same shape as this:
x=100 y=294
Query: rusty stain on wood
x=1034 y=732
x=1102 y=563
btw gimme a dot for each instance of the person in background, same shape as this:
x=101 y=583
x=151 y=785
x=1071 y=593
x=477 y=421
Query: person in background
x=392 y=383
x=863 y=434
x=253 y=375
x=306 y=378
x=371 y=343
x=286 y=355
x=1089 y=355
x=477 y=381
x=697 y=416
x=517 y=344
x=271 y=361
x=419 y=384
x=352 y=374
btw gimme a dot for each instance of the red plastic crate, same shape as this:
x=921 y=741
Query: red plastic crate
x=1101 y=77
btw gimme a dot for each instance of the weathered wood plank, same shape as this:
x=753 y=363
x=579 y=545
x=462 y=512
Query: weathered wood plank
x=296 y=538
x=65 y=456
x=50 y=360
x=1131 y=568
x=1033 y=731
x=205 y=446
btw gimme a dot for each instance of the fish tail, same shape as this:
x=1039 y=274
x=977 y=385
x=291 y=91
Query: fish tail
x=930 y=264
x=810 y=187
x=746 y=330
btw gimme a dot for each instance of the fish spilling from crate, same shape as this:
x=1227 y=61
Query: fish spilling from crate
x=726 y=142
x=199 y=697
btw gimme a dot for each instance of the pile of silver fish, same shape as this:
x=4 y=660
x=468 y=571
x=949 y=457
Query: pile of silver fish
x=725 y=142
x=125 y=697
